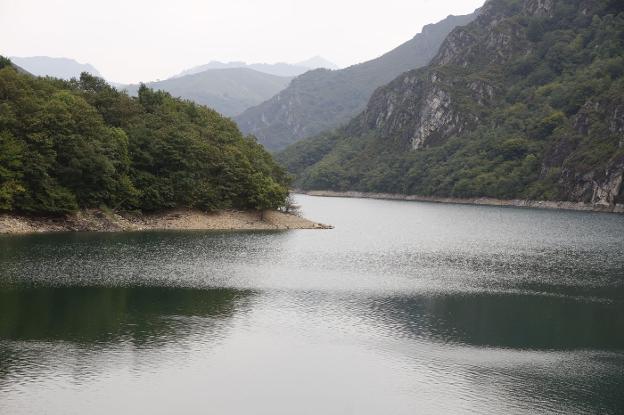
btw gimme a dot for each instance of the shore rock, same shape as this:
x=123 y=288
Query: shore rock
x=96 y=220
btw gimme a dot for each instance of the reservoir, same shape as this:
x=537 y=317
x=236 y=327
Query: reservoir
x=403 y=308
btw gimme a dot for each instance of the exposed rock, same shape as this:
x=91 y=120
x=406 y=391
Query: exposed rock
x=422 y=110
x=542 y=8
x=597 y=188
x=459 y=44
x=616 y=123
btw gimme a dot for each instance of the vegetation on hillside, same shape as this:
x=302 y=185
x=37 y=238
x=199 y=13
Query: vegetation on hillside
x=553 y=129
x=67 y=145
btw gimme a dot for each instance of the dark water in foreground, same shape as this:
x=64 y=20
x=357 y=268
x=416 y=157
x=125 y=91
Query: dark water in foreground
x=404 y=308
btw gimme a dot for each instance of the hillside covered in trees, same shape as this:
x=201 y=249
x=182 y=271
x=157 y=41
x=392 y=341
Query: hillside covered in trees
x=67 y=145
x=525 y=102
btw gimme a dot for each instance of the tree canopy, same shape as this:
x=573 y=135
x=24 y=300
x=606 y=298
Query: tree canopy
x=67 y=145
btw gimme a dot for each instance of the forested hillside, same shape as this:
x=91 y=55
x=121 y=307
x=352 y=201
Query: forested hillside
x=323 y=99
x=67 y=145
x=525 y=102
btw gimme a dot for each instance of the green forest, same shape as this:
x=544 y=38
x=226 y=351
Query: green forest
x=555 y=121
x=70 y=145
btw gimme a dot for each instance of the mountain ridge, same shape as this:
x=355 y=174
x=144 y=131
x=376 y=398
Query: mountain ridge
x=57 y=67
x=229 y=91
x=277 y=69
x=525 y=102
x=322 y=99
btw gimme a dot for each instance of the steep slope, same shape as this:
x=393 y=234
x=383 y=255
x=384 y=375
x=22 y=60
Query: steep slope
x=323 y=99
x=229 y=91
x=525 y=102
x=63 y=68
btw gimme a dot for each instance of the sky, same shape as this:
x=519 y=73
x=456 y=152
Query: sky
x=144 y=40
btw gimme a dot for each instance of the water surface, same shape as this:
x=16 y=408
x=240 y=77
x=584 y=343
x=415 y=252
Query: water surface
x=405 y=307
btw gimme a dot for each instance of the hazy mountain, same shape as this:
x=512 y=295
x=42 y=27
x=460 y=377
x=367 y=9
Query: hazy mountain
x=317 y=62
x=526 y=102
x=56 y=67
x=229 y=91
x=322 y=99
x=278 y=69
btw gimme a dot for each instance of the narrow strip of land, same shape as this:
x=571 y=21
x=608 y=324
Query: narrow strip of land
x=616 y=208
x=96 y=220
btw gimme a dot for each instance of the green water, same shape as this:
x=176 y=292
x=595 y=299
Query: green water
x=403 y=308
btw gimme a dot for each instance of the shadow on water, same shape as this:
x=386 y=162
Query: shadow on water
x=551 y=354
x=523 y=322
x=94 y=315
x=38 y=324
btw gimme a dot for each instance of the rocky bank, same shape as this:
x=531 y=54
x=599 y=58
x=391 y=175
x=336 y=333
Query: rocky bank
x=95 y=220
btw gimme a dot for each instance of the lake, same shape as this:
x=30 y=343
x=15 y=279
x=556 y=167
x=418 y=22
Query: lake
x=403 y=308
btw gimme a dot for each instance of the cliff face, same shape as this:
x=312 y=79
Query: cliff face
x=424 y=106
x=526 y=101
x=322 y=99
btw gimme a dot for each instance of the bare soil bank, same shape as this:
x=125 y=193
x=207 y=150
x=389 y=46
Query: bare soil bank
x=618 y=208
x=183 y=219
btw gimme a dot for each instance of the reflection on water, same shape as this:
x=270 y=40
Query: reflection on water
x=525 y=322
x=101 y=315
x=68 y=327
x=403 y=308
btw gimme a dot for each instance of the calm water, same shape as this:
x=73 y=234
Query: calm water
x=403 y=308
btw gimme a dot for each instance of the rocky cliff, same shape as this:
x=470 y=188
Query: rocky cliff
x=322 y=99
x=524 y=102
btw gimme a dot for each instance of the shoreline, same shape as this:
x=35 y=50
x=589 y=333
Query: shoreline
x=481 y=201
x=97 y=220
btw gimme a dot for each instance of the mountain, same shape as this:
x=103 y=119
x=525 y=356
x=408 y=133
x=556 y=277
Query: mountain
x=323 y=99
x=277 y=69
x=63 y=68
x=317 y=62
x=525 y=102
x=229 y=91
x=83 y=144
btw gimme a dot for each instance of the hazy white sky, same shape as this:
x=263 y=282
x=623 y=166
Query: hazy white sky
x=142 y=40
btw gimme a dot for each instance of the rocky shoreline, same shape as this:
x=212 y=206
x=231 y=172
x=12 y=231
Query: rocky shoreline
x=96 y=220
x=617 y=208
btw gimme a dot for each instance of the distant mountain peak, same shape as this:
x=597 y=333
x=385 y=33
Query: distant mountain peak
x=57 y=67
x=316 y=62
x=228 y=90
x=278 y=68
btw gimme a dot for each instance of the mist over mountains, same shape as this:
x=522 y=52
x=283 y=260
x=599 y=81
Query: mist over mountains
x=278 y=69
x=229 y=88
x=229 y=91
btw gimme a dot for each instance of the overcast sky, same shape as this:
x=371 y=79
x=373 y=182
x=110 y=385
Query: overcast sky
x=143 y=40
